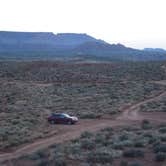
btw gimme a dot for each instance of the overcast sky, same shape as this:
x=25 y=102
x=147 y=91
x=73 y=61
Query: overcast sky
x=135 y=23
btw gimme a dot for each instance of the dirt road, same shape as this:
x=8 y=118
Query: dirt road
x=130 y=115
x=132 y=112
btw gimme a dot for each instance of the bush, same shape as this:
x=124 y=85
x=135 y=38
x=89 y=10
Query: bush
x=90 y=116
x=87 y=144
x=43 y=163
x=163 y=138
x=122 y=144
x=99 y=157
x=133 y=153
x=123 y=137
x=116 y=153
x=140 y=143
x=60 y=162
x=145 y=121
x=41 y=154
x=148 y=135
x=146 y=125
x=86 y=134
x=160 y=157
x=153 y=140
x=34 y=156
x=160 y=148
x=123 y=163
x=162 y=130
x=118 y=145
x=99 y=138
x=73 y=149
x=136 y=163
x=108 y=129
x=77 y=140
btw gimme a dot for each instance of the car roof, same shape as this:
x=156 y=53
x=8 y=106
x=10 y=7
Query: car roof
x=57 y=114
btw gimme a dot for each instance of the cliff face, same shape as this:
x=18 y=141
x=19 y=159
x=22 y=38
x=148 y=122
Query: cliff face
x=50 y=45
x=47 y=38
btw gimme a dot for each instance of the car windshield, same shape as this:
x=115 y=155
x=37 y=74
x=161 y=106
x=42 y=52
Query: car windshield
x=54 y=114
x=66 y=115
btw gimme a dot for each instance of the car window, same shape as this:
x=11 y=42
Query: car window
x=62 y=116
x=66 y=115
x=56 y=115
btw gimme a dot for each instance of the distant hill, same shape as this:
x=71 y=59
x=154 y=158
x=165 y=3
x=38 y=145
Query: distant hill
x=98 y=48
x=47 y=45
x=41 y=40
x=155 y=49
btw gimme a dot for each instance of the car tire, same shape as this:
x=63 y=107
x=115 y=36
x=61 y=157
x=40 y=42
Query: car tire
x=70 y=123
x=52 y=121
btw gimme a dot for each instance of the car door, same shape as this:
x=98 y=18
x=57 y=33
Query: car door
x=57 y=119
x=63 y=119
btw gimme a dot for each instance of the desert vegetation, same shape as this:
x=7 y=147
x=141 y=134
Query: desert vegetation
x=156 y=106
x=122 y=146
x=30 y=91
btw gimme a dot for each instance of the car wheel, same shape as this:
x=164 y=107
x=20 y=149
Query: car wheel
x=69 y=123
x=52 y=122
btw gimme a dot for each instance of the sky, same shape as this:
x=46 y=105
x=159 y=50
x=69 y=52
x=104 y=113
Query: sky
x=134 y=23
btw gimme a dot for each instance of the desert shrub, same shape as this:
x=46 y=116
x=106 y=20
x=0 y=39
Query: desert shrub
x=160 y=157
x=135 y=163
x=108 y=129
x=60 y=162
x=58 y=157
x=162 y=130
x=54 y=146
x=148 y=134
x=156 y=144
x=123 y=163
x=15 y=122
x=124 y=137
x=87 y=144
x=118 y=146
x=155 y=140
x=33 y=156
x=86 y=134
x=73 y=148
x=133 y=153
x=127 y=143
x=3 y=133
x=116 y=153
x=67 y=92
x=146 y=125
x=14 y=140
x=43 y=162
x=163 y=138
x=131 y=128
x=41 y=153
x=74 y=151
x=145 y=121
x=99 y=157
x=141 y=142
x=122 y=144
x=160 y=148
x=77 y=140
x=106 y=142
x=99 y=138
x=90 y=116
